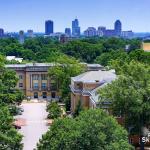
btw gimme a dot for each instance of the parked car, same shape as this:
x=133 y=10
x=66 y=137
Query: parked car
x=21 y=109
x=17 y=126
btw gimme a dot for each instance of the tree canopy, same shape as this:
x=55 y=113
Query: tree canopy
x=65 y=68
x=92 y=129
x=54 y=111
x=88 y=50
x=129 y=94
x=9 y=137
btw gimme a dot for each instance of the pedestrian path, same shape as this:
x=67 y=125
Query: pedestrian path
x=35 y=124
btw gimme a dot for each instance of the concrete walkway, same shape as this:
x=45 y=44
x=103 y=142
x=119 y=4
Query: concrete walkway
x=35 y=124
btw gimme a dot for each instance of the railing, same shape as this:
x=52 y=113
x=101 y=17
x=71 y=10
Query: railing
x=75 y=90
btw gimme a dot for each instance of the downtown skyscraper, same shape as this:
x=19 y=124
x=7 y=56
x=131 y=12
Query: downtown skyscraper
x=75 y=28
x=118 y=27
x=49 y=27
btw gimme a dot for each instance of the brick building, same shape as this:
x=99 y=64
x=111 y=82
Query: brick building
x=85 y=87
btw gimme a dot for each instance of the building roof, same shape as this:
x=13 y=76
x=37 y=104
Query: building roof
x=30 y=65
x=95 y=76
x=90 y=67
x=10 y=58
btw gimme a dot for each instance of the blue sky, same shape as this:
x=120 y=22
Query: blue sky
x=31 y=14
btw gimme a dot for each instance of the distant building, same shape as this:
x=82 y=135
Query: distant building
x=90 y=32
x=110 y=33
x=64 y=38
x=1 y=32
x=10 y=58
x=75 y=28
x=55 y=35
x=101 y=31
x=49 y=27
x=68 y=31
x=21 y=37
x=146 y=47
x=118 y=27
x=127 y=34
x=30 y=33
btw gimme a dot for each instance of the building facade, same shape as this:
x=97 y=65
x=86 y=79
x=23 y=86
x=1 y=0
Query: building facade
x=110 y=33
x=90 y=32
x=30 y=33
x=1 y=32
x=75 y=28
x=34 y=81
x=146 y=47
x=85 y=87
x=127 y=34
x=101 y=31
x=68 y=31
x=21 y=37
x=49 y=27
x=118 y=27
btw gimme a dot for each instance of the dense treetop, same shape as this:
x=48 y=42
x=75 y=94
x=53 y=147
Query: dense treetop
x=9 y=97
x=88 y=50
x=91 y=130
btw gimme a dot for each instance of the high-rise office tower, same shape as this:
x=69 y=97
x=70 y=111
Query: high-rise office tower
x=75 y=28
x=1 y=32
x=118 y=27
x=30 y=33
x=68 y=31
x=49 y=27
x=21 y=37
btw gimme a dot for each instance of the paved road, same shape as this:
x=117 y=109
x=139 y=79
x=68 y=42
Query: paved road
x=34 y=114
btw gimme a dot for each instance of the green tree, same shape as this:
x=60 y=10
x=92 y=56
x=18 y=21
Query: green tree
x=54 y=111
x=140 y=55
x=65 y=68
x=129 y=94
x=107 y=57
x=9 y=138
x=85 y=51
x=78 y=109
x=92 y=129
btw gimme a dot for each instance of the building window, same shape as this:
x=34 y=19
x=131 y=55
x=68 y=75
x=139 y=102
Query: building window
x=53 y=85
x=44 y=77
x=20 y=85
x=44 y=94
x=35 y=77
x=43 y=85
x=20 y=77
x=35 y=86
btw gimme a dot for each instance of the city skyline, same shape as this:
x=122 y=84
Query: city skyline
x=23 y=15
